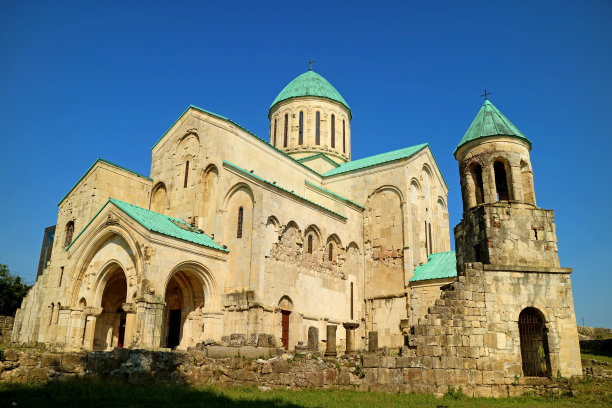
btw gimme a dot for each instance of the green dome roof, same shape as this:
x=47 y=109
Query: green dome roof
x=310 y=84
x=491 y=122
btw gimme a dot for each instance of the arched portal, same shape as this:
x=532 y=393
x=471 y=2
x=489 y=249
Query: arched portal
x=534 y=344
x=110 y=325
x=185 y=297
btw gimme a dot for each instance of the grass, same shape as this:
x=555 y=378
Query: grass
x=598 y=355
x=91 y=393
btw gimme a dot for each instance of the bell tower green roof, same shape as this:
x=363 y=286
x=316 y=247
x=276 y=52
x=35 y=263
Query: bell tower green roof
x=310 y=84
x=490 y=122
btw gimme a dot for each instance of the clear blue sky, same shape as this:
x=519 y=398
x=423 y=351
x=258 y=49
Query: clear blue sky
x=83 y=80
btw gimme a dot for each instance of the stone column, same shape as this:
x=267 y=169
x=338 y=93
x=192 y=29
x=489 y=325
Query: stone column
x=330 y=351
x=488 y=181
x=313 y=339
x=130 y=322
x=372 y=341
x=91 y=316
x=350 y=337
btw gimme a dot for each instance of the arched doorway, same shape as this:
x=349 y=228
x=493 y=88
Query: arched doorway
x=286 y=306
x=534 y=344
x=110 y=325
x=184 y=322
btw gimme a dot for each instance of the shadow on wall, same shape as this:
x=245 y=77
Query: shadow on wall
x=94 y=393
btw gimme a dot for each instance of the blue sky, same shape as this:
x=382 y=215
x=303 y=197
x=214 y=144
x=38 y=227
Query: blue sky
x=81 y=80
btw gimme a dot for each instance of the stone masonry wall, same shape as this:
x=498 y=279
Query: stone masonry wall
x=215 y=366
x=6 y=329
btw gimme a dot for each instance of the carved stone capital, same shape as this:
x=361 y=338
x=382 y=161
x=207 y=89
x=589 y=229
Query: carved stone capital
x=92 y=311
x=129 y=307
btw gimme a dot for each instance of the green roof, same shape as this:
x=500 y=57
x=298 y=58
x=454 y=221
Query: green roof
x=273 y=184
x=321 y=155
x=334 y=194
x=162 y=224
x=490 y=122
x=377 y=159
x=100 y=160
x=310 y=84
x=438 y=266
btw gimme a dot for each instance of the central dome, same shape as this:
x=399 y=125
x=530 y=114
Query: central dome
x=309 y=84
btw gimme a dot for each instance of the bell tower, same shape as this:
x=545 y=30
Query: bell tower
x=501 y=223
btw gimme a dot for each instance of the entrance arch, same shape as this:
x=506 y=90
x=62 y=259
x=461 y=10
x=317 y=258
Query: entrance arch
x=185 y=296
x=110 y=325
x=534 y=344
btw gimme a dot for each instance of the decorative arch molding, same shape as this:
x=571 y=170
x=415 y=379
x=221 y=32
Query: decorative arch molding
x=389 y=187
x=274 y=221
x=285 y=303
x=541 y=308
x=353 y=246
x=440 y=200
x=106 y=272
x=241 y=186
x=204 y=275
x=335 y=239
x=315 y=230
x=159 y=186
x=96 y=238
x=292 y=224
x=190 y=132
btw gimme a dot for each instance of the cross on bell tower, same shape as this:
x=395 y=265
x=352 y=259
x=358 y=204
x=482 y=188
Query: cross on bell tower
x=486 y=94
x=310 y=64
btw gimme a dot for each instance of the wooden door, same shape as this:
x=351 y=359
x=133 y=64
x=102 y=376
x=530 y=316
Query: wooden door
x=285 y=328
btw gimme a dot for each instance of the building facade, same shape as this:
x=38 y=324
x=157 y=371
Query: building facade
x=231 y=234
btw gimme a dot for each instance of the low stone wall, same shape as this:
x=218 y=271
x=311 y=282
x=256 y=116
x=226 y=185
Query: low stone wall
x=6 y=329
x=376 y=373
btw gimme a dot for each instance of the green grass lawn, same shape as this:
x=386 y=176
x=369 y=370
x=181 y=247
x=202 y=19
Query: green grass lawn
x=104 y=394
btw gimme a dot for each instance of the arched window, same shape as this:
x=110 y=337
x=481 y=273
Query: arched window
x=301 y=132
x=331 y=252
x=318 y=129
x=186 y=174
x=343 y=137
x=310 y=244
x=274 y=140
x=534 y=344
x=476 y=172
x=501 y=182
x=333 y=131
x=69 y=233
x=285 y=137
x=51 y=314
x=239 y=228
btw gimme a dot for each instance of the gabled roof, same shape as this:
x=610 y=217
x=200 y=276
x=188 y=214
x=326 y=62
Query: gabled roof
x=438 y=266
x=334 y=194
x=377 y=159
x=315 y=156
x=273 y=184
x=490 y=122
x=162 y=224
x=310 y=84
x=100 y=160
x=260 y=140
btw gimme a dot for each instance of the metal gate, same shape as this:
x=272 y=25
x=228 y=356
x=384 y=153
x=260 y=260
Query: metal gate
x=534 y=344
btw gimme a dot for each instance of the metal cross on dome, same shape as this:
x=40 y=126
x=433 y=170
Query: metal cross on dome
x=486 y=94
x=310 y=64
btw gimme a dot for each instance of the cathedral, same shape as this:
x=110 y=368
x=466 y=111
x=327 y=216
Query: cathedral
x=234 y=235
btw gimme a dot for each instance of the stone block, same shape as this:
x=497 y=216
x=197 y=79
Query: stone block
x=280 y=366
x=388 y=362
x=371 y=361
x=404 y=361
